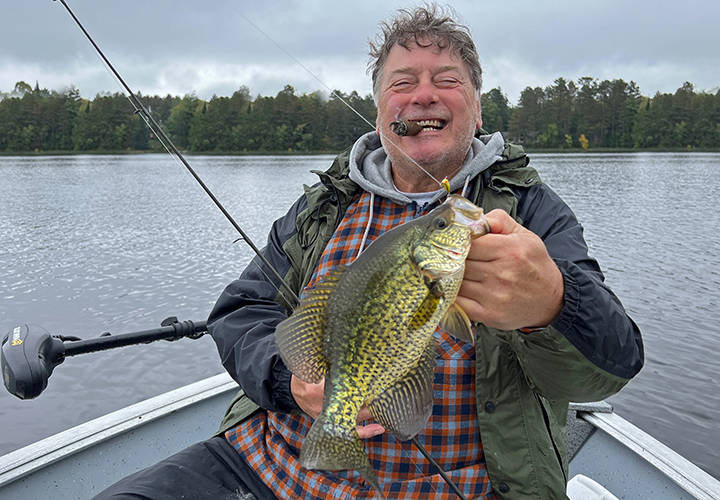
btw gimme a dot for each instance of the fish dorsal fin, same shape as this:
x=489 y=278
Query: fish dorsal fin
x=405 y=407
x=456 y=323
x=301 y=338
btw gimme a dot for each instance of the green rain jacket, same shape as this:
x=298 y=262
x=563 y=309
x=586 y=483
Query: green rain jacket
x=524 y=382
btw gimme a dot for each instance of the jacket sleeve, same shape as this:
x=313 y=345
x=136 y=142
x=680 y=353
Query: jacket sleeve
x=244 y=318
x=593 y=347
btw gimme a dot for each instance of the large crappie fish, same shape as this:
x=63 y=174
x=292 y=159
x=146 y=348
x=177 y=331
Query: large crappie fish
x=367 y=328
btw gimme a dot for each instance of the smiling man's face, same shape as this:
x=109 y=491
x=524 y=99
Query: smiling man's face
x=432 y=87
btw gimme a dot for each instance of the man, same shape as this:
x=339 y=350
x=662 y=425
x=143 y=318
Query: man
x=548 y=331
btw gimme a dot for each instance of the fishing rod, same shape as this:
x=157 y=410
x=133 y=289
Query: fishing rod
x=401 y=128
x=154 y=127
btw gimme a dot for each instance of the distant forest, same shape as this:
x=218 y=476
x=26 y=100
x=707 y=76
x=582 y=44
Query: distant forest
x=582 y=114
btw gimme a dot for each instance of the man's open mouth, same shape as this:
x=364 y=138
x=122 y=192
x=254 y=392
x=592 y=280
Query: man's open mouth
x=431 y=124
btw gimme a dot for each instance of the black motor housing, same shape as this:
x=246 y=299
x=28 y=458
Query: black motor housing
x=28 y=356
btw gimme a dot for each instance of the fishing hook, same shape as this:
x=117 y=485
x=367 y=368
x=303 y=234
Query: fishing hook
x=154 y=127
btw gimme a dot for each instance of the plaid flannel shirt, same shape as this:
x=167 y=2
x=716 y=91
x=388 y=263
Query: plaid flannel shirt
x=270 y=442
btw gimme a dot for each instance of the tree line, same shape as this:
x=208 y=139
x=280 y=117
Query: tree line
x=613 y=114
x=37 y=119
x=585 y=114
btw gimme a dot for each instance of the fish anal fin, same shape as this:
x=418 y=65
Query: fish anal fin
x=405 y=407
x=456 y=323
x=300 y=338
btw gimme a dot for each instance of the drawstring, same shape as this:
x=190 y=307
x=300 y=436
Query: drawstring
x=464 y=191
x=367 y=228
x=370 y=215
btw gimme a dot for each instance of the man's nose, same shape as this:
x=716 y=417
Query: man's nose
x=425 y=93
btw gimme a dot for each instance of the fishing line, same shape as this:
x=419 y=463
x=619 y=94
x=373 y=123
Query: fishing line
x=333 y=93
x=444 y=184
x=170 y=146
x=431 y=461
x=154 y=127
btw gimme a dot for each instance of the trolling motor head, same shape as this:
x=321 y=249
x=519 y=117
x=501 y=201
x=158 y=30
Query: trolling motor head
x=28 y=356
x=29 y=353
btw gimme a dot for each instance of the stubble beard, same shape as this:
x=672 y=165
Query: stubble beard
x=440 y=165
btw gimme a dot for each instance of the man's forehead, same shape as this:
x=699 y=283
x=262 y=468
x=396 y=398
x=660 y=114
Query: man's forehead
x=440 y=68
x=447 y=59
x=436 y=46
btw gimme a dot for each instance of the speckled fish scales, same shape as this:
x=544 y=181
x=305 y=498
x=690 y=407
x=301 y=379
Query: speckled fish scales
x=367 y=329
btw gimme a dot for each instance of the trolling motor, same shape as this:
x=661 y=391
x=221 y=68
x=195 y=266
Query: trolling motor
x=30 y=354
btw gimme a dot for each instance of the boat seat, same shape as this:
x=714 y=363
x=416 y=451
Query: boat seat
x=583 y=488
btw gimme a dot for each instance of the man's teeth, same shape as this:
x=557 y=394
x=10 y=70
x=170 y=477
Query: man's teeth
x=433 y=124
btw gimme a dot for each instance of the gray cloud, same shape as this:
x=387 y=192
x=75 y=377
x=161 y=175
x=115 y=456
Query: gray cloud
x=177 y=47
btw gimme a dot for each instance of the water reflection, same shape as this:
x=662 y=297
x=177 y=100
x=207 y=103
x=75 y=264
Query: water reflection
x=652 y=222
x=118 y=243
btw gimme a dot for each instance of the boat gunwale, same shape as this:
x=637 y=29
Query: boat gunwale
x=600 y=416
x=20 y=463
x=679 y=469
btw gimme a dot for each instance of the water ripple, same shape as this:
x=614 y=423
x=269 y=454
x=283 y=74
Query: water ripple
x=117 y=243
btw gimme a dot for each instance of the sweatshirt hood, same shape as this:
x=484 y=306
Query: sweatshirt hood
x=370 y=166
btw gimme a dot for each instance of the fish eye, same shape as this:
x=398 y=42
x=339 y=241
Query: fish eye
x=441 y=223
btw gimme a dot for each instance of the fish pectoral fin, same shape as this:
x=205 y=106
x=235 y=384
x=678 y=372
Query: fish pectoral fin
x=300 y=339
x=456 y=323
x=433 y=286
x=424 y=312
x=405 y=407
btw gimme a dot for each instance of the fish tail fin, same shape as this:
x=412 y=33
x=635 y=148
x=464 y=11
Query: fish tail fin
x=326 y=448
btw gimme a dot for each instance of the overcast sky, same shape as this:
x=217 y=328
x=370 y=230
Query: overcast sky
x=208 y=47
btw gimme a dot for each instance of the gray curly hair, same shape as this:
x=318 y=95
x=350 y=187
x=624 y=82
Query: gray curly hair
x=425 y=26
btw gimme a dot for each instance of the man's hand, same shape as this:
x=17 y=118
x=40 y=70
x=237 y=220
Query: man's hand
x=510 y=280
x=310 y=399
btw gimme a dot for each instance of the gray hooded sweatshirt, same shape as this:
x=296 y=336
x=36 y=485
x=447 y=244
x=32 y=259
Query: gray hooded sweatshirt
x=370 y=166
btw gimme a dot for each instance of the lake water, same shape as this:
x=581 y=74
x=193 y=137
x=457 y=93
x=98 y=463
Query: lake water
x=93 y=244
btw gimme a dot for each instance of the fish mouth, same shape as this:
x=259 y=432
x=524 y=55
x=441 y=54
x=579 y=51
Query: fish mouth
x=478 y=227
x=453 y=253
x=470 y=215
x=435 y=124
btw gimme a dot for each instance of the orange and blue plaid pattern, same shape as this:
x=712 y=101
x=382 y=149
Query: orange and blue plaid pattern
x=270 y=442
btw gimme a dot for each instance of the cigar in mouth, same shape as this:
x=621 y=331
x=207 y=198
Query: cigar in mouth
x=405 y=128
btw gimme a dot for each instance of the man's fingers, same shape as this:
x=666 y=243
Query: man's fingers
x=364 y=414
x=501 y=223
x=310 y=397
x=370 y=430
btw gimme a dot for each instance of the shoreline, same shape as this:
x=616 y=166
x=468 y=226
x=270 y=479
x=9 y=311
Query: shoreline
x=528 y=150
